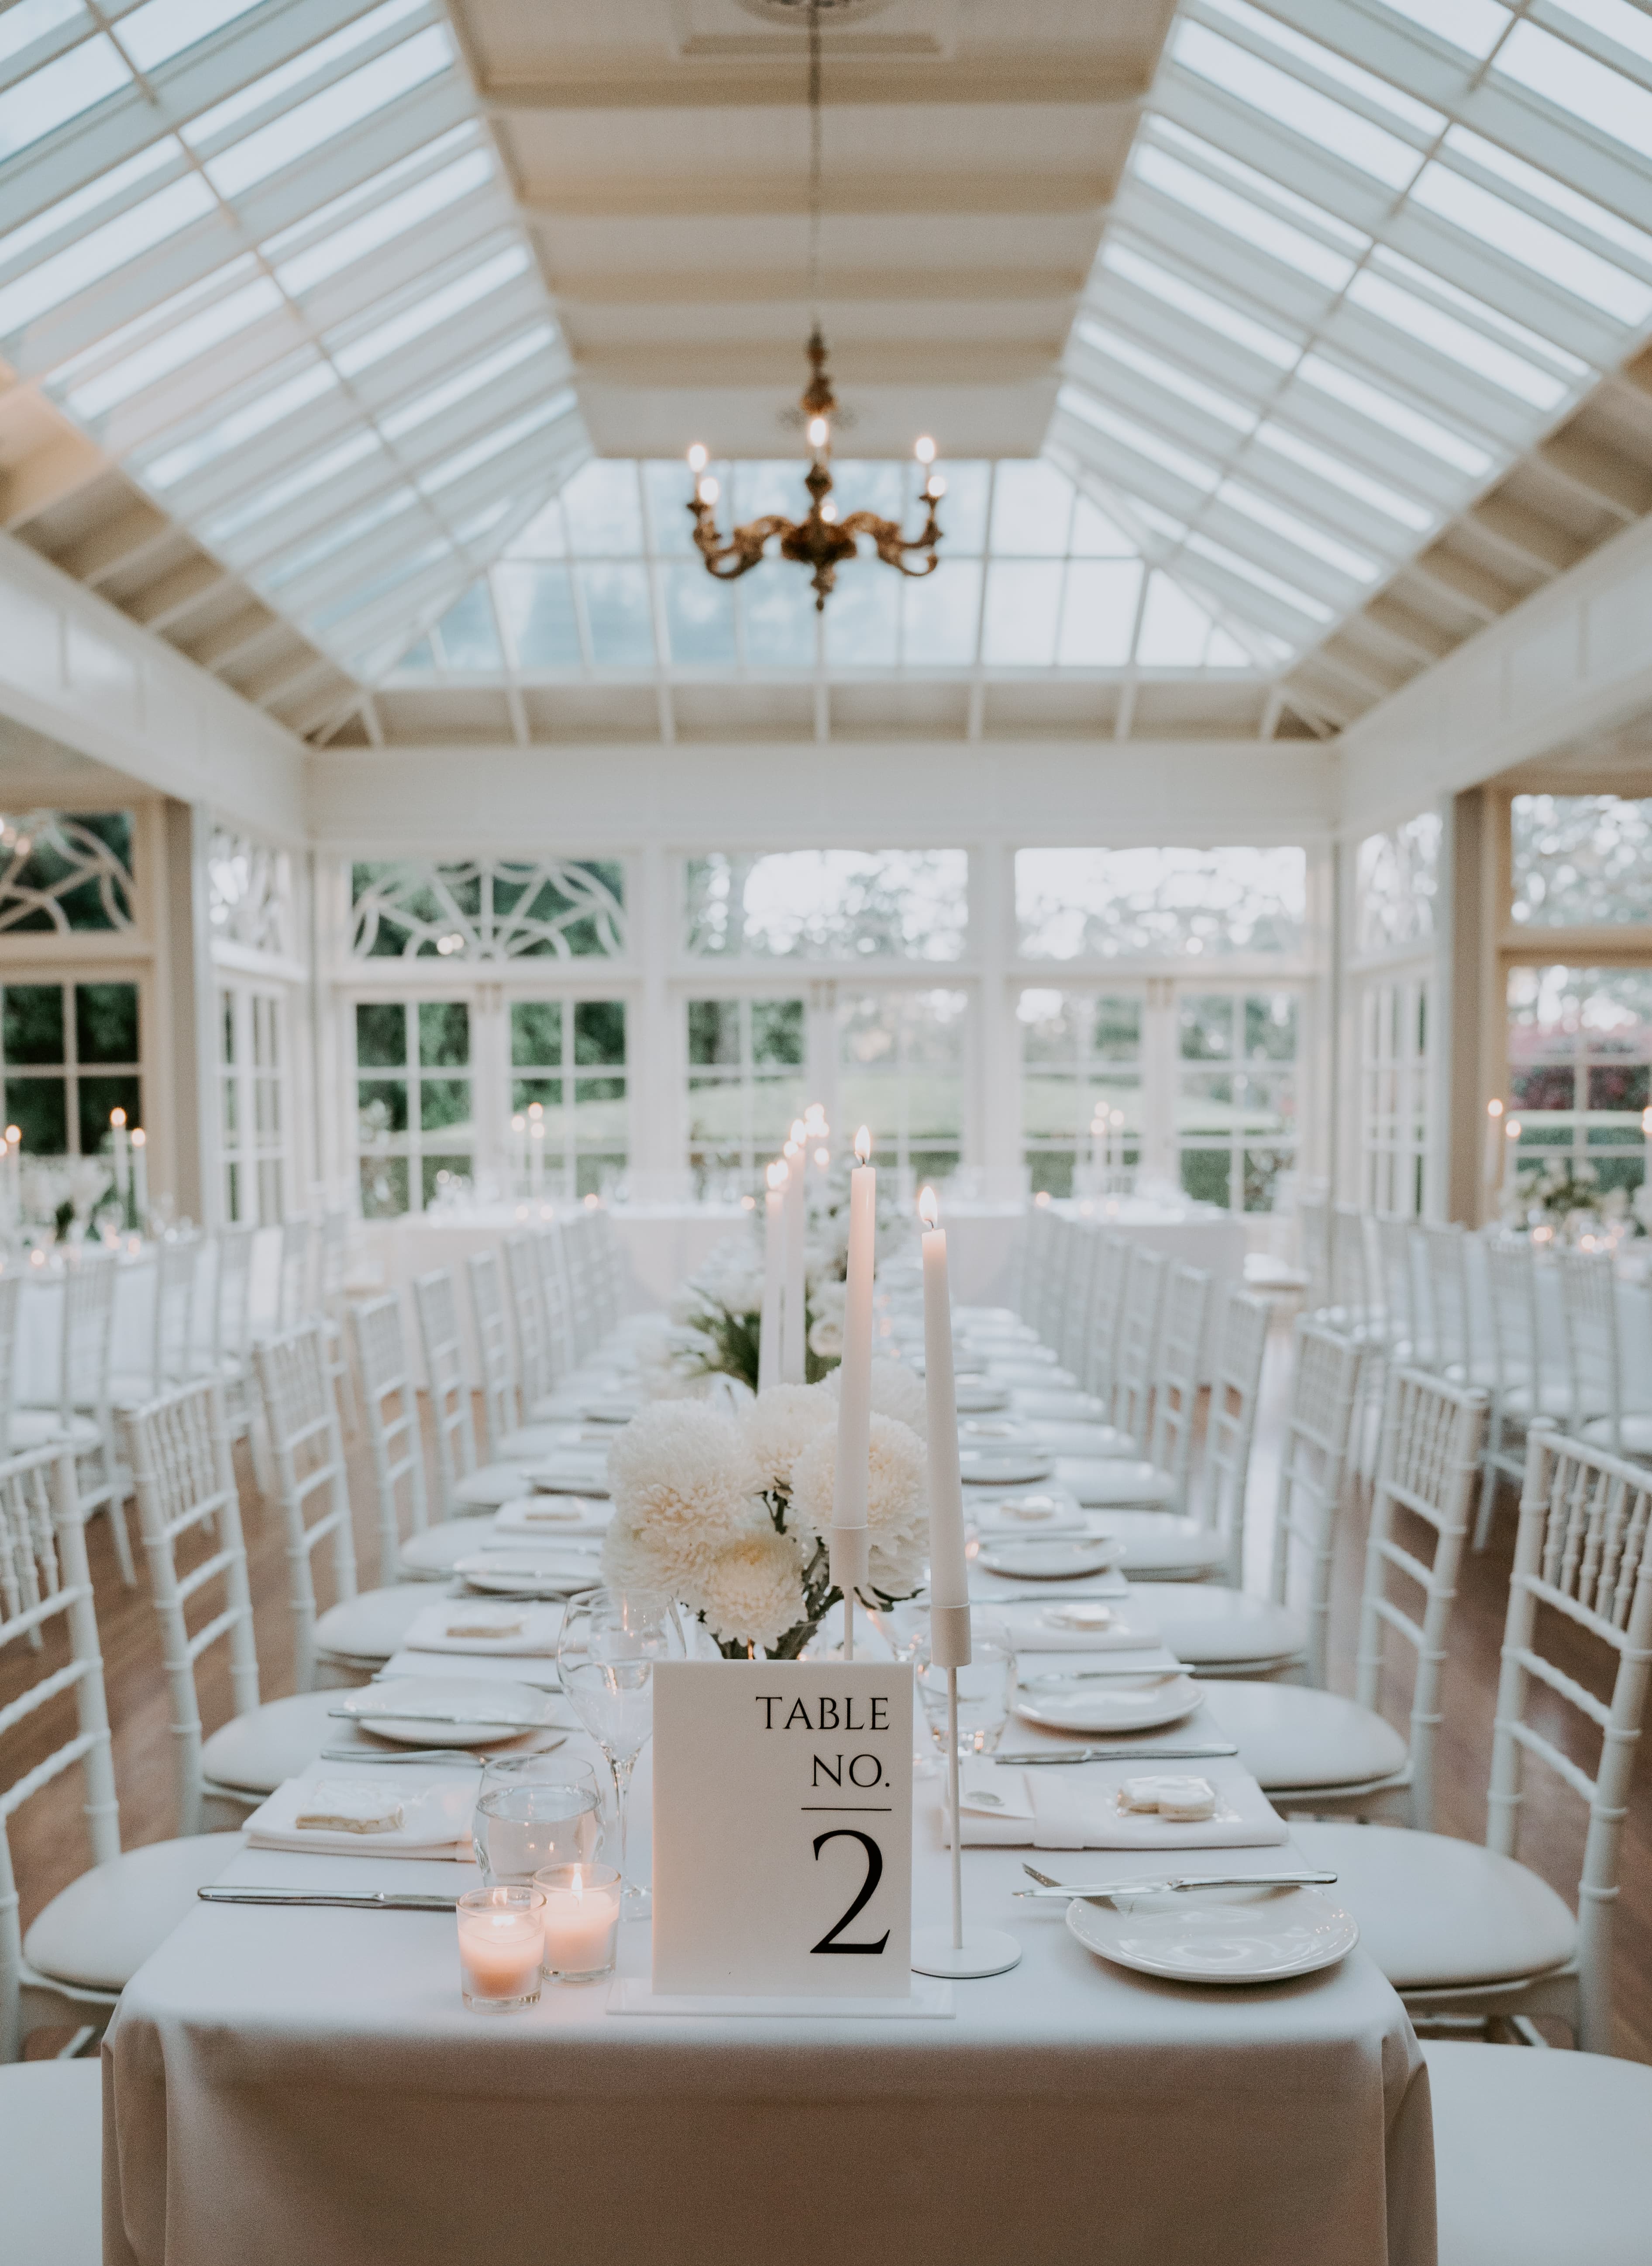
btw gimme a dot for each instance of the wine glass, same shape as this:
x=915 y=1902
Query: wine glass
x=610 y=1641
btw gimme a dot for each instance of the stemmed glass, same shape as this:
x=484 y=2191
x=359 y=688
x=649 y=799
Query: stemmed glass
x=610 y=1641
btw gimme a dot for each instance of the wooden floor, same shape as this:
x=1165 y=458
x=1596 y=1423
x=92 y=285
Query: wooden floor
x=49 y=1845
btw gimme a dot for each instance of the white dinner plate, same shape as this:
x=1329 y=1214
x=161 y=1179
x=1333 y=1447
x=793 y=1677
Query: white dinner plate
x=1005 y=1467
x=1032 y=1513
x=499 y=1576
x=1218 y=1935
x=569 y=1473
x=1052 y=1558
x=1118 y=1703
x=619 y=1410
x=496 y=1706
x=992 y=1431
x=974 y=1396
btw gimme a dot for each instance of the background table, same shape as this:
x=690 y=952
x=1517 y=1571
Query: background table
x=287 y=2086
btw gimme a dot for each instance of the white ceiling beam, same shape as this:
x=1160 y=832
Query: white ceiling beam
x=1009 y=78
x=1573 y=660
x=642 y=194
x=75 y=669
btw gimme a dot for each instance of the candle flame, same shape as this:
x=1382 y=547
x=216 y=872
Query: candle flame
x=778 y=1174
x=1645 y=1124
x=800 y=1131
x=823 y=1158
x=116 y=1117
x=1493 y=1109
x=863 y=1144
x=923 y=449
x=1511 y=1131
x=139 y=1138
x=819 y=432
x=928 y=1206
x=697 y=457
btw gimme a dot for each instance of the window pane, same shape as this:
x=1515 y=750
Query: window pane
x=699 y=617
x=1270 y=1028
x=536 y=1031
x=545 y=1091
x=382 y=1103
x=383 y=1186
x=1395 y=881
x=777 y=1031
x=1112 y=903
x=618 y=615
x=536 y=604
x=714 y=1031
x=107 y=1022
x=34 y=1022
x=39 y=1107
x=1581 y=858
x=599 y=1031
x=1207 y=1028
x=444 y=1032
x=444 y=1102
x=380 y=1035
x=451 y=1165
x=823 y=904
x=1204 y=1176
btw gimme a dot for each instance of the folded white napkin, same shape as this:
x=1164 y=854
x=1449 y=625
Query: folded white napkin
x=570 y=1471
x=1076 y=1806
x=997 y=1590
x=551 y=1515
x=470 y=1625
x=436 y=1811
x=1036 y=1510
x=1044 y=1628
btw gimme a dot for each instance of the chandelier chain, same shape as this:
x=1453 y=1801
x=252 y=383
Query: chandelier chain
x=814 y=163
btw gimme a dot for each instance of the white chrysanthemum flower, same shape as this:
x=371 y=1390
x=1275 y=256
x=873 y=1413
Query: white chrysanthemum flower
x=751 y=1592
x=897 y=1392
x=896 y=1480
x=683 y=1484
x=779 y=1425
x=826 y=1338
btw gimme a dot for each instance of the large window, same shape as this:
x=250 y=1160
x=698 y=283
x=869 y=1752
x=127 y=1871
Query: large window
x=252 y=1101
x=745 y=1085
x=489 y=909
x=1109 y=904
x=828 y=904
x=72 y=1054
x=1580 y=1048
x=902 y=1073
x=1581 y=861
x=1393 y=1092
x=1396 y=879
x=413 y=1101
x=568 y=1060
x=64 y=870
x=1081 y=1054
x=1236 y=1105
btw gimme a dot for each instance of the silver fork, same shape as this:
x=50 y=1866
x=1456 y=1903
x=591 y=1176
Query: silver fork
x=1095 y=1892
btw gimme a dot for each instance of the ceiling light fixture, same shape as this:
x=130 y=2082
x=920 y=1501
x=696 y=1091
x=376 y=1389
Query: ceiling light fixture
x=821 y=540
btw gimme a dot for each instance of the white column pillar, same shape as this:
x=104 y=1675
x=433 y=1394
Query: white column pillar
x=992 y=1124
x=654 y=1045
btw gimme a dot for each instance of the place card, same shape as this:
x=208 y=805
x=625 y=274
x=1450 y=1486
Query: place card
x=783 y=1829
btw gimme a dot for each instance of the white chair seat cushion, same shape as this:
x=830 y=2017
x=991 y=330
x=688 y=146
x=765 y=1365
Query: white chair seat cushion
x=529 y=1441
x=1540 y=2157
x=439 y=1549
x=1071 y=1406
x=256 y=1753
x=1044 y=1377
x=1158 y=1542
x=1290 y=1735
x=132 y=1388
x=486 y=1490
x=51 y=2162
x=1092 y=1441
x=1216 y=1628
x=1634 y=1433
x=102 y=1927
x=37 y=1427
x=1098 y=1481
x=1436 y=1913
x=1553 y=1397
x=372 y=1626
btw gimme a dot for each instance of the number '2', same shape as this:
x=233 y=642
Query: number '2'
x=869 y=1888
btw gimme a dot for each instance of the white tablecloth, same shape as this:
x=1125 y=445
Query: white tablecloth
x=305 y=2086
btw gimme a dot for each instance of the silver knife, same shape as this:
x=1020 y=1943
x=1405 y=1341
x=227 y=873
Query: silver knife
x=1118 y=1755
x=476 y=1756
x=429 y=1716
x=1095 y=1892
x=1159 y=1670
x=351 y=1899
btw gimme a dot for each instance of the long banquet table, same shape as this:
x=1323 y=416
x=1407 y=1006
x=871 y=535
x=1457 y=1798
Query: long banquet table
x=307 y=2086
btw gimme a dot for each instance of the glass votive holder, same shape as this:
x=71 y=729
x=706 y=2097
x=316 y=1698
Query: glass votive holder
x=501 y=1947
x=581 y=1920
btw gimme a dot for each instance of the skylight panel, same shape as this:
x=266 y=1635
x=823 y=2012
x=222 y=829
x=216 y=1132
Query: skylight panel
x=1324 y=466
x=308 y=384
x=469 y=635
x=1201 y=306
x=176 y=345
x=1261 y=188
x=1556 y=194
x=160 y=29
x=940 y=620
x=30 y=21
x=278 y=493
x=302 y=68
x=1159 y=372
x=58 y=92
x=101 y=251
x=336 y=537
x=1194 y=470
x=1175 y=631
x=504 y=436
x=393 y=218
x=362 y=196
x=1399 y=416
x=1428 y=285
x=1248 y=571
x=439 y=307
x=1559 y=258
x=1357 y=140
x=1473 y=25
x=1380 y=91
x=1604 y=98
x=1024 y=606
x=105 y=190
x=269 y=149
x=1293 y=529
x=1098 y=613
x=1456 y=340
x=466 y=382
x=115 y=344
x=1094 y=535
x=1614 y=20
x=1241 y=218
x=1032 y=510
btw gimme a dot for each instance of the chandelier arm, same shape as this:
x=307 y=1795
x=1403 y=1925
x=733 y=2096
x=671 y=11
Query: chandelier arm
x=743 y=547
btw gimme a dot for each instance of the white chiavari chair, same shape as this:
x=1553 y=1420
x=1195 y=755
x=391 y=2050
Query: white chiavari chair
x=1160 y=1478
x=1608 y=1411
x=1526 y=1386
x=448 y=1385
x=300 y=1416
x=1355 y=1305
x=1090 y=1400
x=331 y=1263
x=184 y=1479
x=1314 y=1229
x=83 y=1948
x=230 y=1345
x=1405 y=1338
x=293 y=1300
x=82 y=1412
x=1463 y=1930
x=1323 y=1753
x=176 y=1265
x=500 y=1413
x=410 y=1559
x=556 y=1297
x=527 y=1322
x=1082 y=1238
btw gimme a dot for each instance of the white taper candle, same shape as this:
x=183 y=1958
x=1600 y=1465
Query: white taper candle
x=1494 y=1142
x=948 y=1570
x=774 y=1278
x=794 y=1322
x=850 y=1544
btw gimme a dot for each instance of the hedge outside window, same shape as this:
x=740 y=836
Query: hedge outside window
x=745 y=1085
x=413 y=1101
x=902 y=1063
x=568 y=1056
x=1236 y=1101
x=1580 y=1067
x=72 y=1054
x=1080 y=1051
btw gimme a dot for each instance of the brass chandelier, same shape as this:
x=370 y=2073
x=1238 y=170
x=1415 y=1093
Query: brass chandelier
x=821 y=540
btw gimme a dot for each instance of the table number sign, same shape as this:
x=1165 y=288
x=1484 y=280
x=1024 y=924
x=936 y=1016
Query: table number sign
x=783 y=1828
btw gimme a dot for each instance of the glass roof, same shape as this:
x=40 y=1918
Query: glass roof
x=1366 y=254
x=606 y=584
x=237 y=237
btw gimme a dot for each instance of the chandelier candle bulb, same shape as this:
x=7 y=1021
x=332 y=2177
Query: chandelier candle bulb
x=849 y=1538
x=768 y=1325
x=794 y=1320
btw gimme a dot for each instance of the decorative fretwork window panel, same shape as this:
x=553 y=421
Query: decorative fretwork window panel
x=489 y=909
x=1396 y=877
x=1145 y=904
x=66 y=870
x=1581 y=861
x=249 y=894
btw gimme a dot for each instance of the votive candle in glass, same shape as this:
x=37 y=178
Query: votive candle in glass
x=501 y=1947
x=582 y=1920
